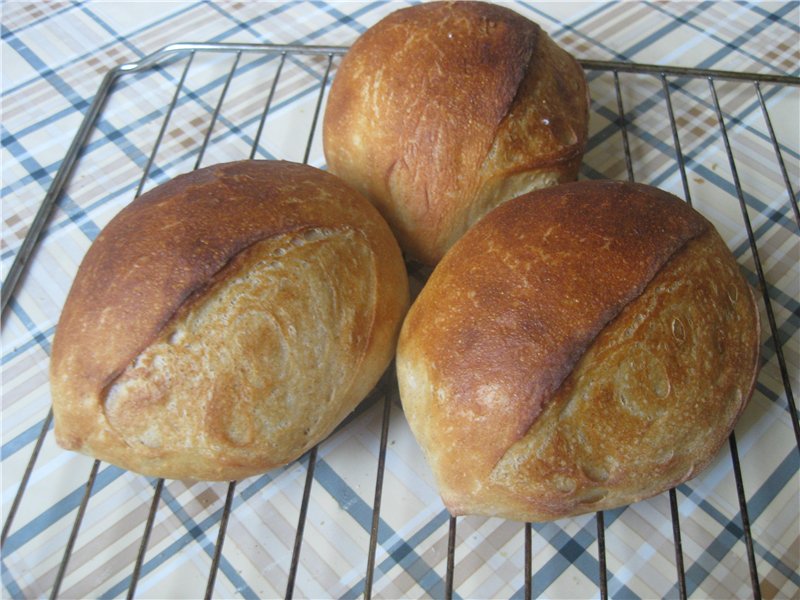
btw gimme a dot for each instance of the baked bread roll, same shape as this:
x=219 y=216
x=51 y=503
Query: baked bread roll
x=581 y=348
x=226 y=321
x=442 y=111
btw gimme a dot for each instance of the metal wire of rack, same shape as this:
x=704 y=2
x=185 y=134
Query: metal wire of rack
x=667 y=78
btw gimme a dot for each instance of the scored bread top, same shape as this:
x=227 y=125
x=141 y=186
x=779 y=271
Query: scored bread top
x=601 y=258
x=511 y=310
x=653 y=398
x=179 y=235
x=442 y=110
x=194 y=240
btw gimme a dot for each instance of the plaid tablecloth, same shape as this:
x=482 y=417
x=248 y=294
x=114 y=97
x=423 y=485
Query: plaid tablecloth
x=54 y=57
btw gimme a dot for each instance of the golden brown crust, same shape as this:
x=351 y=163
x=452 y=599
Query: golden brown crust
x=438 y=104
x=168 y=347
x=530 y=320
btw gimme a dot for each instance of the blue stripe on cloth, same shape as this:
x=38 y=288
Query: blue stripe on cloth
x=769 y=394
x=401 y=552
x=793 y=25
x=569 y=552
x=758 y=502
x=76 y=214
x=745 y=37
x=247 y=25
x=55 y=12
x=719 y=547
x=731 y=532
x=348 y=20
x=42 y=175
x=30 y=326
x=665 y=30
x=780 y=215
x=80 y=216
x=59 y=510
x=784 y=219
x=9 y=583
x=99 y=49
x=30 y=435
x=34 y=61
x=228 y=128
x=574 y=550
x=245 y=491
x=12 y=144
x=116 y=37
x=130 y=150
x=774 y=217
x=25 y=346
x=694 y=12
x=48 y=74
x=677 y=84
x=572 y=27
x=34 y=127
x=276 y=10
x=195 y=531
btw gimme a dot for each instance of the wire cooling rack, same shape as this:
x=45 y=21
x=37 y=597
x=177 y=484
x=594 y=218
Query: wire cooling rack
x=359 y=515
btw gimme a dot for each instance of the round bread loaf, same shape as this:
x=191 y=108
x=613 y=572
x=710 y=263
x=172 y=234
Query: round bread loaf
x=581 y=348
x=225 y=322
x=442 y=111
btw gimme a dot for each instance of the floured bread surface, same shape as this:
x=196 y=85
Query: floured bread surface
x=262 y=359
x=599 y=353
x=443 y=110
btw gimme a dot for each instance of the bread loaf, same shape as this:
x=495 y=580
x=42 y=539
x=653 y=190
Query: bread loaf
x=226 y=321
x=442 y=111
x=581 y=348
